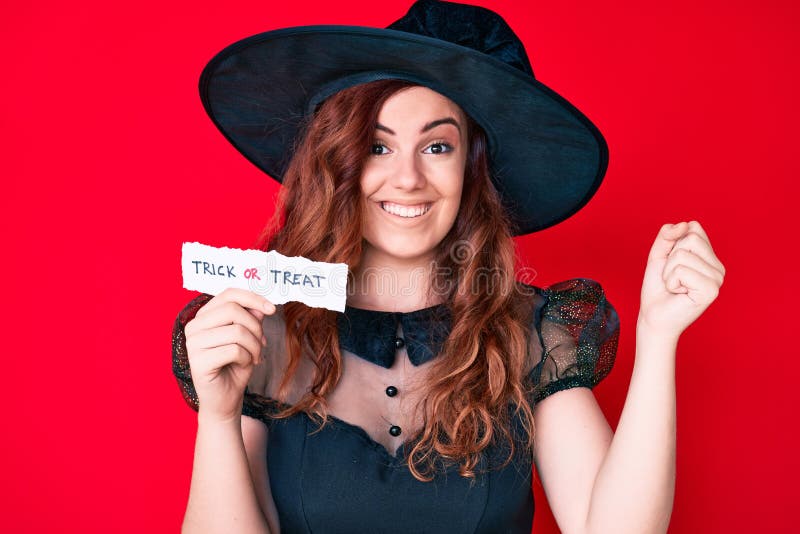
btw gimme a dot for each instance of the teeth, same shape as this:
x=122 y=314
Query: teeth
x=405 y=211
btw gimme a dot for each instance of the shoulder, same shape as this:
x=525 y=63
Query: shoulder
x=577 y=332
x=577 y=298
x=582 y=286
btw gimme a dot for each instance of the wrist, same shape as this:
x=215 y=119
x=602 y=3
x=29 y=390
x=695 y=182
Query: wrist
x=207 y=419
x=645 y=332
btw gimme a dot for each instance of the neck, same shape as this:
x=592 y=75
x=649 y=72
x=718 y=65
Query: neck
x=389 y=283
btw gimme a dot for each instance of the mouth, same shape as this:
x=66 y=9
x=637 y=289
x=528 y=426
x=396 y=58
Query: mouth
x=407 y=212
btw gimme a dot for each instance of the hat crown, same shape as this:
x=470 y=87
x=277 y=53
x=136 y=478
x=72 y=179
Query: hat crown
x=546 y=158
x=474 y=27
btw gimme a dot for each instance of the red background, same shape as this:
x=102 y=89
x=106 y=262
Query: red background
x=111 y=163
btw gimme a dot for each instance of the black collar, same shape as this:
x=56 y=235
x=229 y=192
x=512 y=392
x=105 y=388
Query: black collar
x=371 y=334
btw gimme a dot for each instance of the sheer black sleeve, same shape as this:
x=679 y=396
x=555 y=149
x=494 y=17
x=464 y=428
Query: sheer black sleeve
x=254 y=405
x=574 y=338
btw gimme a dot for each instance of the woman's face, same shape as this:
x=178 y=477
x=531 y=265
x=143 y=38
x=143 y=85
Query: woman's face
x=413 y=177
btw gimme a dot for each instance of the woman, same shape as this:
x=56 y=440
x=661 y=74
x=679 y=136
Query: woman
x=423 y=406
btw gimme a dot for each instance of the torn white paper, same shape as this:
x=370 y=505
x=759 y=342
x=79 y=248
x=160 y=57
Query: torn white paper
x=276 y=277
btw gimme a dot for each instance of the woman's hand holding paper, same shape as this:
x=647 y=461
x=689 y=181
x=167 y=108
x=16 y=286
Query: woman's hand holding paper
x=223 y=342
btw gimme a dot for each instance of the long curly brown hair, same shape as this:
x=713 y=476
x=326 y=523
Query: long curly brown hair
x=477 y=388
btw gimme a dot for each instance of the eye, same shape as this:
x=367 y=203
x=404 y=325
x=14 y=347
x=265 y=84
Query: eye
x=438 y=147
x=379 y=149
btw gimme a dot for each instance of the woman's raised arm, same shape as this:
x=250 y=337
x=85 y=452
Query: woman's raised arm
x=224 y=343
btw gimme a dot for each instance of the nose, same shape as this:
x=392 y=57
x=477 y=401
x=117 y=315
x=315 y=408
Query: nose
x=409 y=173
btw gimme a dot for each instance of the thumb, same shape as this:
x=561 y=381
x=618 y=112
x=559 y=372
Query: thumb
x=666 y=239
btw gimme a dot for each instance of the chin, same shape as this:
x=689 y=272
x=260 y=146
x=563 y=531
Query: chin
x=402 y=249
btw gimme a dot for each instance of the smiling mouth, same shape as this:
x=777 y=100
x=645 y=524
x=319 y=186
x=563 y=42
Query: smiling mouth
x=409 y=212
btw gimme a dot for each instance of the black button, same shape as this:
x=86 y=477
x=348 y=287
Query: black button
x=394 y=430
x=391 y=391
x=398 y=342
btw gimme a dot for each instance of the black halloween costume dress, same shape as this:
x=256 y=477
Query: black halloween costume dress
x=340 y=480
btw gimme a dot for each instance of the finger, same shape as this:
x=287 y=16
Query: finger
x=225 y=314
x=219 y=357
x=243 y=297
x=695 y=226
x=699 y=245
x=225 y=335
x=259 y=315
x=684 y=279
x=665 y=240
x=686 y=257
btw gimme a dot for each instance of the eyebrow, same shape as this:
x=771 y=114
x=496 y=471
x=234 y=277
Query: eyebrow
x=429 y=126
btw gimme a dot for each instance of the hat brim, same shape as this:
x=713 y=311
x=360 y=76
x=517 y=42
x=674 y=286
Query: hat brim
x=548 y=159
